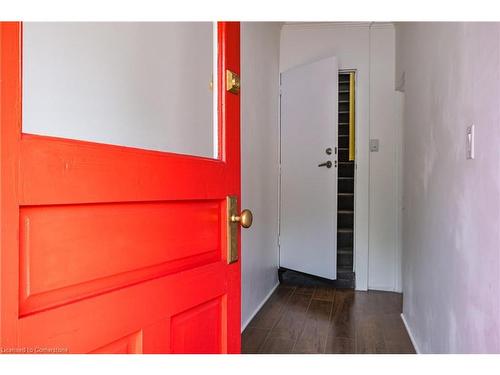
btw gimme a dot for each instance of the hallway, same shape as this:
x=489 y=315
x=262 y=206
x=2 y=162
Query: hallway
x=219 y=187
x=317 y=319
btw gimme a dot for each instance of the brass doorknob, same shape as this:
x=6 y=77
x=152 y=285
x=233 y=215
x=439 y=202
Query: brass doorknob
x=245 y=219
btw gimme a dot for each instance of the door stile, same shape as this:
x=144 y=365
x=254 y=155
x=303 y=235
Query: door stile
x=10 y=136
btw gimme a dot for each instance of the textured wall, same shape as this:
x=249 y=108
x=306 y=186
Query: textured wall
x=259 y=162
x=451 y=216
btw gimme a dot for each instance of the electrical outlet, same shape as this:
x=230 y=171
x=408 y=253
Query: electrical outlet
x=469 y=142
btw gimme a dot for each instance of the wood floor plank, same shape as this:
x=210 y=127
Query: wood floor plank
x=306 y=290
x=395 y=336
x=277 y=345
x=324 y=293
x=343 y=317
x=290 y=325
x=252 y=339
x=315 y=332
x=369 y=336
x=273 y=309
x=389 y=302
x=312 y=319
x=399 y=348
x=339 y=345
x=365 y=304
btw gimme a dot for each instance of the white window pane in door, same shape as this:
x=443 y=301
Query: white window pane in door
x=136 y=84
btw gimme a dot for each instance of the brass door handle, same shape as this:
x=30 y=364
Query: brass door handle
x=245 y=219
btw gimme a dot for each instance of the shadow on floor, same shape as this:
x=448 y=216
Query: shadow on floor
x=322 y=319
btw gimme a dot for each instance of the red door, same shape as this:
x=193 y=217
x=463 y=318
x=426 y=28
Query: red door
x=113 y=249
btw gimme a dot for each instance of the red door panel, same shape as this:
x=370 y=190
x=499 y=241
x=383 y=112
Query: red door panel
x=110 y=249
x=87 y=172
x=123 y=244
x=185 y=328
x=131 y=344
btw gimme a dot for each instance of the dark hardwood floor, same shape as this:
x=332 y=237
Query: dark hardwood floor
x=319 y=319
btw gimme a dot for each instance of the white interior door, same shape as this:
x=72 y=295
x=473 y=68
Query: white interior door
x=308 y=211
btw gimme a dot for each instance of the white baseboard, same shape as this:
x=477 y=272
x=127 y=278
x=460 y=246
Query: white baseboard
x=412 y=338
x=385 y=288
x=244 y=325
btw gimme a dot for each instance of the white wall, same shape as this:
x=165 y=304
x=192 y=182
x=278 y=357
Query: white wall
x=132 y=84
x=370 y=50
x=259 y=147
x=384 y=263
x=451 y=214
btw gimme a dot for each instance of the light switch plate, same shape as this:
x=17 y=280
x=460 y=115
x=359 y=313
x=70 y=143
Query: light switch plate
x=469 y=142
x=374 y=145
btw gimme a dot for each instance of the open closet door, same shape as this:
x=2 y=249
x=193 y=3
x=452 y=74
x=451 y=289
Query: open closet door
x=308 y=213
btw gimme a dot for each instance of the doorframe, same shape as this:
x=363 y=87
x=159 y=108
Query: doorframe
x=360 y=252
x=361 y=196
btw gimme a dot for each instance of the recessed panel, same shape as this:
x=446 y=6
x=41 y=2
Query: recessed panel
x=131 y=344
x=198 y=330
x=70 y=252
x=138 y=84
